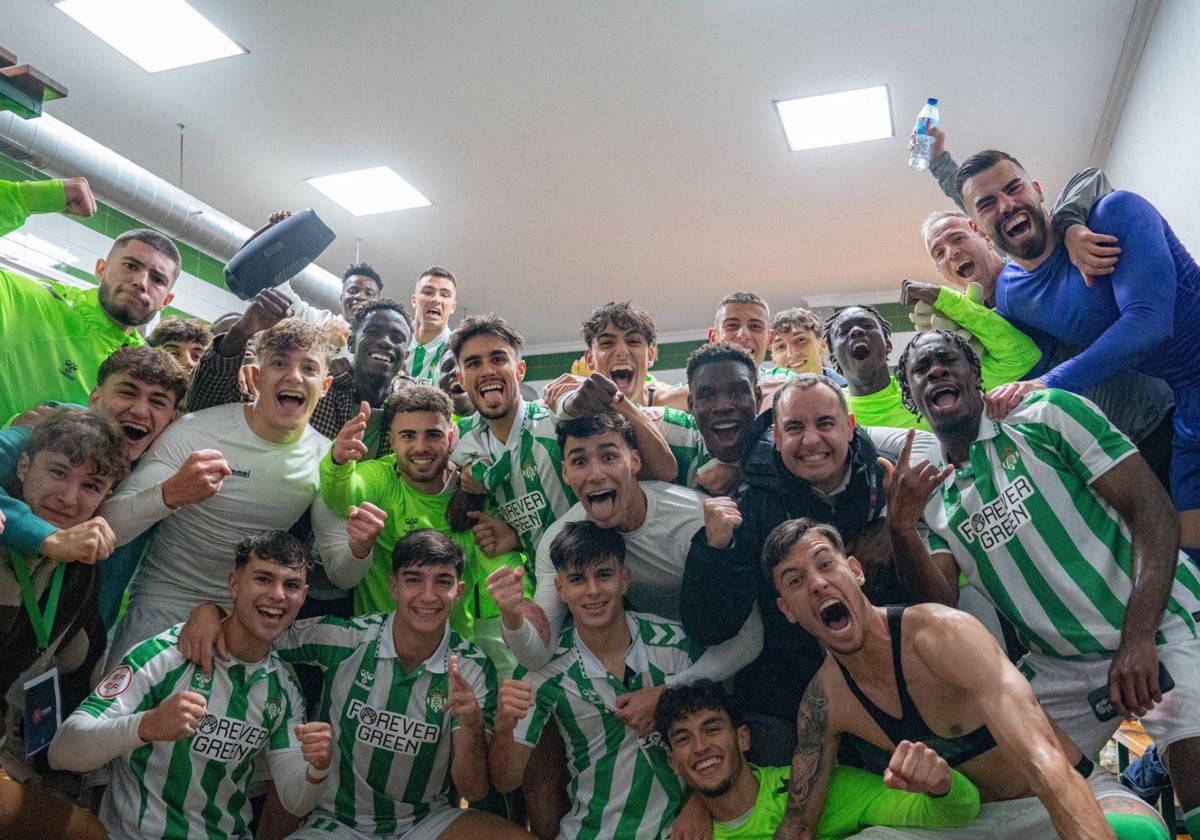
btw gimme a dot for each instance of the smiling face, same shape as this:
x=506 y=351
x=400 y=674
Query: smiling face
x=821 y=590
x=744 y=324
x=62 y=494
x=424 y=597
x=724 y=399
x=1007 y=205
x=944 y=386
x=421 y=441
x=266 y=597
x=357 y=291
x=962 y=255
x=594 y=593
x=859 y=345
x=135 y=283
x=624 y=356
x=707 y=752
x=491 y=372
x=798 y=351
x=289 y=386
x=449 y=384
x=813 y=430
x=602 y=471
x=380 y=343
x=433 y=302
x=141 y=410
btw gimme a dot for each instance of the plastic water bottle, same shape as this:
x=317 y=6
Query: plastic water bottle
x=926 y=120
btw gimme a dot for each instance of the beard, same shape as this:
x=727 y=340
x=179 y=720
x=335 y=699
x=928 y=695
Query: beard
x=1031 y=247
x=121 y=315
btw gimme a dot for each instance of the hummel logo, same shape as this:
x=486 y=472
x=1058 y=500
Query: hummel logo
x=68 y=369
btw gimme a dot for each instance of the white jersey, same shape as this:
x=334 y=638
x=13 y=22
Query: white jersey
x=424 y=359
x=621 y=784
x=195 y=787
x=391 y=730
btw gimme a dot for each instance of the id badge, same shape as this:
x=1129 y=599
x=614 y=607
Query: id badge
x=43 y=710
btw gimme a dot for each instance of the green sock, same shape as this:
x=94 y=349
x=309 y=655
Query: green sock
x=1192 y=820
x=1137 y=827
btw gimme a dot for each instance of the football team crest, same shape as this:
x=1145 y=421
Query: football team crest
x=436 y=700
x=529 y=470
x=1008 y=458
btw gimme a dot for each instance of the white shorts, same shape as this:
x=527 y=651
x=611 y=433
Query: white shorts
x=1015 y=819
x=322 y=826
x=1062 y=687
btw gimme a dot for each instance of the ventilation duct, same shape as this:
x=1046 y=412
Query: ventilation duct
x=59 y=150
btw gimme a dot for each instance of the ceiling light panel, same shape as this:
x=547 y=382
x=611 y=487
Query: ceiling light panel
x=367 y=191
x=155 y=34
x=835 y=119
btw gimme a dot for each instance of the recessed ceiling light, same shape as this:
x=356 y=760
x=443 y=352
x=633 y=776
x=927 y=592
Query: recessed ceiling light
x=367 y=191
x=836 y=118
x=155 y=34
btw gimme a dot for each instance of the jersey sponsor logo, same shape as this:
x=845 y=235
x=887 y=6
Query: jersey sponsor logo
x=115 y=683
x=997 y=522
x=226 y=740
x=391 y=730
x=523 y=513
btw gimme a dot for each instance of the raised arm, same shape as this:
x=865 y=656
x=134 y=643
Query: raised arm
x=720 y=578
x=507 y=758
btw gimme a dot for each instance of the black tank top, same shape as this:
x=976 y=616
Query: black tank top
x=910 y=726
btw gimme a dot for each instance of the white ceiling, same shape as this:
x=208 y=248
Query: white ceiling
x=578 y=152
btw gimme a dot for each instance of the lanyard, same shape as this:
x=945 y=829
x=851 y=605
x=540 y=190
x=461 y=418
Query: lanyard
x=42 y=623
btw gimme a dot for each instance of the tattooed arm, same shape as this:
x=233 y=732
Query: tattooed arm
x=816 y=748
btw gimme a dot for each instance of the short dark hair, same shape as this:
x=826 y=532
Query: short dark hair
x=427 y=547
x=146 y=364
x=438 y=271
x=624 y=316
x=783 y=538
x=374 y=306
x=276 y=546
x=684 y=700
x=583 y=545
x=744 y=297
x=595 y=424
x=827 y=332
x=155 y=240
x=795 y=319
x=981 y=162
x=420 y=398
x=805 y=381
x=489 y=324
x=964 y=347
x=84 y=437
x=721 y=351
x=180 y=330
x=362 y=269
x=293 y=334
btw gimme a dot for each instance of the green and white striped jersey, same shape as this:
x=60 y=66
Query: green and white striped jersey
x=524 y=476
x=683 y=436
x=621 y=784
x=424 y=359
x=391 y=730
x=1028 y=531
x=194 y=787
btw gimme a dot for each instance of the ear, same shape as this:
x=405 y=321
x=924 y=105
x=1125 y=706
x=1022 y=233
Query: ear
x=626 y=576
x=589 y=358
x=770 y=338
x=521 y=371
x=712 y=335
x=689 y=401
x=783 y=608
x=558 y=587
x=743 y=737
x=231 y=583
x=758 y=397
x=325 y=385
x=23 y=467
x=651 y=356
x=101 y=267
x=636 y=458
x=1038 y=188
x=459 y=590
x=850 y=416
x=857 y=569
x=94 y=398
x=255 y=376
x=166 y=301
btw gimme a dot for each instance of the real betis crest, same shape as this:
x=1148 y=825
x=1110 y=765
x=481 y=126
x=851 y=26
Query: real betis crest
x=436 y=700
x=529 y=470
x=1008 y=458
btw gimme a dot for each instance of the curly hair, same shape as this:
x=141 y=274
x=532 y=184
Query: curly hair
x=964 y=347
x=293 y=334
x=374 y=306
x=146 y=364
x=420 y=398
x=180 y=330
x=596 y=424
x=827 y=330
x=794 y=320
x=684 y=700
x=623 y=316
x=276 y=546
x=490 y=324
x=721 y=351
x=84 y=437
x=362 y=269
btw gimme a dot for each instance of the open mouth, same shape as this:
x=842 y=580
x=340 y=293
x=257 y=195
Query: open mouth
x=834 y=615
x=965 y=269
x=1018 y=225
x=623 y=376
x=492 y=394
x=727 y=432
x=706 y=764
x=943 y=397
x=603 y=504
x=134 y=432
x=291 y=400
x=860 y=350
x=386 y=358
x=270 y=613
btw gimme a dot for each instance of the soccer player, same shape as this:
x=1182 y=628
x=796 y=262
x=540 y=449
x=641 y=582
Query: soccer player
x=361 y=285
x=410 y=703
x=930 y=674
x=621 y=783
x=185 y=339
x=184 y=743
x=706 y=746
x=433 y=301
x=1055 y=517
x=796 y=342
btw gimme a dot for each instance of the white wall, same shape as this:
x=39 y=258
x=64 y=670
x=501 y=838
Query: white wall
x=1156 y=150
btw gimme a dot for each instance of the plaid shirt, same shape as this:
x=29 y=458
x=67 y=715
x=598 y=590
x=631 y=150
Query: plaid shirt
x=215 y=382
